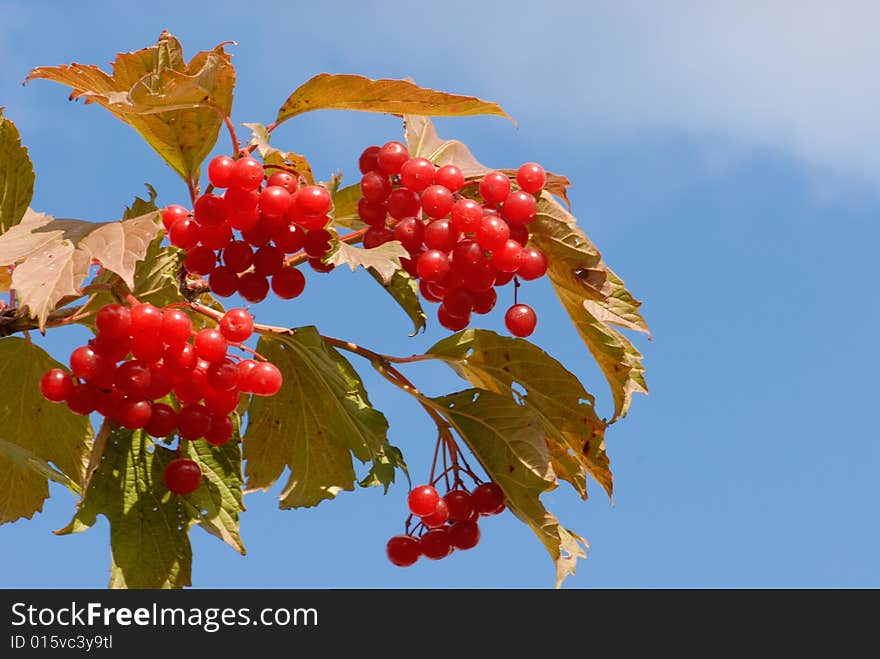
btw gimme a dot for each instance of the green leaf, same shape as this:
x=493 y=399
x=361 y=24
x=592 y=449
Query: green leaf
x=39 y=432
x=149 y=526
x=345 y=207
x=594 y=297
x=510 y=443
x=405 y=291
x=54 y=256
x=384 y=260
x=272 y=156
x=313 y=425
x=16 y=175
x=575 y=434
x=177 y=107
x=351 y=92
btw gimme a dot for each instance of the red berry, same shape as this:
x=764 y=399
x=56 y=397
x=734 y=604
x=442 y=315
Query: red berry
x=245 y=366
x=147 y=349
x=410 y=264
x=410 y=231
x=464 y=534
x=433 y=265
x=288 y=283
x=163 y=421
x=480 y=277
x=317 y=243
x=376 y=236
x=314 y=223
x=83 y=399
x=184 y=233
x=533 y=264
x=467 y=215
x=171 y=214
x=274 y=201
x=215 y=238
x=220 y=431
x=245 y=220
x=161 y=381
x=519 y=208
x=417 y=174
x=182 y=476
x=403 y=550
x=492 y=232
x=404 y=203
x=223 y=281
x=504 y=278
x=134 y=413
x=88 y=365
x=176 y=327
x=428 y=292
x=450 y=177
x=223 y=375
x=193 y=421
x=210 y=345
x=56 y=385
x=241 y=201
x=484 y=301
x=391 y=157
x=264 y=379
x=220 y=171
x=488 y=499
x=289 y=238
x=258 y=235
x=200 y=261
x=247 y=174
x=108 y=403
x=372 y=214
x=220 y=403
x=494 y=188
x=442 y=235
x=467 y=255
x=437 y=201
x=111 y=348
x=422 y=500
x=508 y=256
x=531 y=177
x=180 y=359
x=375 y=187
x=319 y=266
x=237 y=325
x=268 y=260
x=285 y=180
x=210 y=210
x=146 y=320
x=460 y=505
x=369 y=159
x=521 y=320
x=459 y=302
x=238 y=256
x=113 y=320
x=437 y=518
x=519 y=233
x=451 y=322
x=133 y=379
x=436 y=544
x=253 y=287
x=312 y=201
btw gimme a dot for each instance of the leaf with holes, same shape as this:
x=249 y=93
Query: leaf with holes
x=149 y=526
x=53 y=257
x=177 y=106
x=16 y=175
x=509 y=441
x=352 y=92
x=575 y=434
x=594 y=297
x=384 y=260
x=272 y=156
x=38 y=431
x=313 y=425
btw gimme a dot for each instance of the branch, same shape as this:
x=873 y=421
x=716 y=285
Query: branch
x=11 y=320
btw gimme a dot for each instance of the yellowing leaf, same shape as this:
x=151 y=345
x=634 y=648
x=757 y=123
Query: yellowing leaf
x=510 y=443
x=149 y=526
x=53 y=257
x=177 y=107
x=384 y=260
x=345 y=207
x=351 y=92
x=44 y=432
x=16 y=175
x=272 y=156
x=594 y=297
x=321 y=416
x=575 y=434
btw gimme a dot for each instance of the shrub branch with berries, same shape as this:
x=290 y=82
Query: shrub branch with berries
x=191 y=414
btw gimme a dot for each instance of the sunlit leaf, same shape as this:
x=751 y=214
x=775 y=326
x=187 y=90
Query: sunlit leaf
x=16 y=175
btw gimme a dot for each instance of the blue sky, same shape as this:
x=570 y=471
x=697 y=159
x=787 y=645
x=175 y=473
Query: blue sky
x=725 y=161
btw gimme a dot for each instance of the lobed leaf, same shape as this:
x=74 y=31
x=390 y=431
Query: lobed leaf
x=327 y=91
x=53 y=257
x=383 y=260
x=16 y=175
x=594 y=297
x=313 y=425
x=511 y=445
x=575 y=434
x=35 y=433
x=345 y=207
x=177 y=107
x=272 y=156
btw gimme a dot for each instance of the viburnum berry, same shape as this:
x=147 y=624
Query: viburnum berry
x=253 y=287
x=134 y=413
x=274 y=201
x=56 y=385
x=161 y=381
x=494 y=188
x=436 y=544
x=531 y=177
x=172 y=214
x=488 y=499
x=441 y=235
x=404 y=203
x=428 y=292
x=180 y=359
x=376 y=236
x=460 y=505
x=508 y=256
x=288 y=283
x=289 y=238
x=375 y=187
x=519 y=208
x=182 y=476
x=312 y=200
x=521 y=320
x=533 y=264
x=223 y=375
x=369 y=159
x=82 y=399
x=210 y=345
x=437 y=518
x=459 y=302
x=417 y=174
x=239 y=200
x=146 y=320
x=492 y=233
x=210 y=210
x=450 y=321
x=219 y=403
x=200 y=261
x=403 y=550
x=464 y=534
x=373 y=214
x=264 y=379
x=88 y=365
x=467 y=215
x=220 y=171
x=519 y=233
x=247 y=174
x=163 y=421
x=410 y=231
x=450 y=177
x=113 y=320
x=391 y=157
x=216 y=237
x=268 y=260
x=111 y=348
x=319 y=266
x=437 y=201
x=422 y=500
x=237 y=325
x=176 y=327
x=184 y=233
x=223 y=281
x=433 y=265
x=193 y=421
x=317 y=243
x=133 y=378
x=220 y=430
x=484 y=301
x=258 y=235
x=285 y=179
x=238 y=256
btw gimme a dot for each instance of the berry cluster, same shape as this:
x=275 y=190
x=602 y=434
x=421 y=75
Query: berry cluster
x=142 y=355
x=274 y=220
x=446 y=523
x=460 y=249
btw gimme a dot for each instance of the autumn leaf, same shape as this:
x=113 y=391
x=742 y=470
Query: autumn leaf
x=511 y=445
x=575 y=434
x=313 y=425
x=272 y=156
x=177 y=107
x=16 y=175
x=53 y=257
x=594 y=297
x=384 y=260
x=344 y=211
x=38 y=431
x=352 y=92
